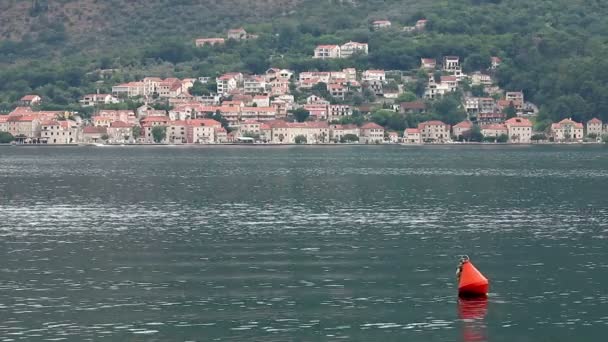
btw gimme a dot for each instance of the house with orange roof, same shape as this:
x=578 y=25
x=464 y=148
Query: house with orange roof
x=237 y=34
x=594 y=126
x=567 y=130
x=336 y=90
x=393 y=137
x=337 y=132
x=434 y=131
x=255 y=85
x=495 y=62
x=494 y=130
x=520 y=130
x=228 y=82
x=90 y=100
x=130 y=89
x=412 y=136
x=286 y=132
x=428 y=63
x=200 y=42
x=25 y=128
x=317 y=111
x=3 y=123
x=338 y=111
x=30 y=100
x=372 y=133
x=60 y=132
x=490 y=118
x=462 y=128
x=327 y=51
x=120 y=132
x=261 y=100
x=314 y=99
x=380 y=24
x=258 y=113
x=420 y=24
x=92 y=134
x=373 y=76
x=351 y=48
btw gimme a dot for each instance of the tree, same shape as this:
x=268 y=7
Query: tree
x=217 y=116
x=510 y=111
x=300 y=114
x=538 y=136
x=105 y=137
x=349 y=138
x=136 y=132
x=503 y=138
x=407 y=96
x=159 y=133
x=300 y=139
x=592 y=136
x=6 y=137
x=478 y=90
x=197 y=89
x=605 y=139
x=474 y=134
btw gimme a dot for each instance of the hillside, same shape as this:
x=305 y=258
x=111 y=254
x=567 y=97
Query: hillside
x=553 y=50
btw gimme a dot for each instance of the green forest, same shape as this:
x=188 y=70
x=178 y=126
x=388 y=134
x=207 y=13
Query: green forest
x=553 y=50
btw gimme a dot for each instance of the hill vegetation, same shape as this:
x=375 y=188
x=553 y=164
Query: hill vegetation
x=553 y=50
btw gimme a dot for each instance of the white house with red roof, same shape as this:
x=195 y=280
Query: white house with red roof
x=255 y=84
x=25 y=128
x=286 y=132
x=228 y=82
x=91 y=134
x=421 y=24
x=261 y=100
x=428 y=63
x=60 y=132
x=317 y=111
x=258 y=113
x=3 y=124
x=337 y=132
x=434 y=131
x=200 y=42
x=337 y=91
x=462 y=128
x=393 y=137
x=495 y=62
x=445 y=85
x=347 y=50
x=90 y=100
x=595 y=126
x=237 y=34
x=380 y=24
x=520 y=130
x=30 y=100
x=494 y=130
x=120 y=132
x=372 y=133
x=327 y=51
x=373 y=76
x=338 y=111
x=567 y=130
x=412 y=136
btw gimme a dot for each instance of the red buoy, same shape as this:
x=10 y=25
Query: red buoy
x=472 y=283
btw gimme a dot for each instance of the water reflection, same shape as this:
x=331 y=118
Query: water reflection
x=473 y=312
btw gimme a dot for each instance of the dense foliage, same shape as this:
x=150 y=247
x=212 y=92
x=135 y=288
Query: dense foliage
x=6 y=138
x=553 y=50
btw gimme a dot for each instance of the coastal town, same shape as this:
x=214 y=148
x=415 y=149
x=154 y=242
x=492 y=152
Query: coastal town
x=281 y=106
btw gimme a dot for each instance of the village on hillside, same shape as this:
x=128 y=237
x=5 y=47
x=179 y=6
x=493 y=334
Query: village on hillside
x=312 y=107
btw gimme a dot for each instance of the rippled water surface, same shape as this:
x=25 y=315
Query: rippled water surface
x=302 y=244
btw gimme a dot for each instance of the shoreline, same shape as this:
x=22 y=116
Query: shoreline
x=307 y=145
